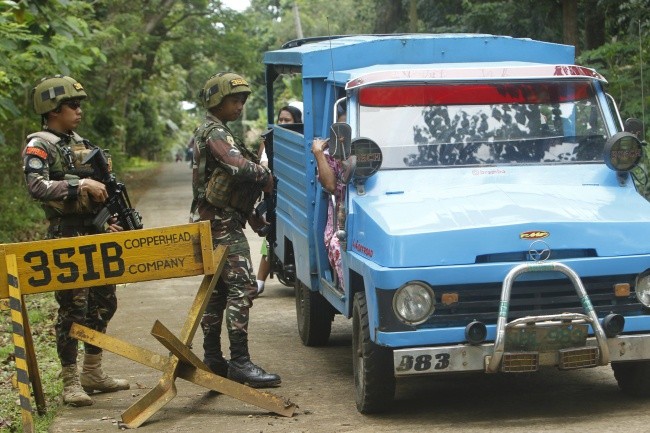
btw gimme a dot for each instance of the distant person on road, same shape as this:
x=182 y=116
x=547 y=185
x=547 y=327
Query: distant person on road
x=288 y=114
x=57 y=178
x=227 y=180
x=189 y=152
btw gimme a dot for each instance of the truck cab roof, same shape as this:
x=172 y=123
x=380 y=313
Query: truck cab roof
x=319 y=58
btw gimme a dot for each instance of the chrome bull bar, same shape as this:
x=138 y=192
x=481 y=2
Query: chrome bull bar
x=504 y=304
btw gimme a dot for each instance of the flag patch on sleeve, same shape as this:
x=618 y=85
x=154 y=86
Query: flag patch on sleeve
x=36 y=152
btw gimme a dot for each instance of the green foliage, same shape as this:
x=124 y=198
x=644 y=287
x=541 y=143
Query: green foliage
x=21 y=218
x=138 y=59
x=619 y=62
x=517 y=18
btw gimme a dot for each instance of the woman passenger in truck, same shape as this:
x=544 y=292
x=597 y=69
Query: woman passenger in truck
x=288 y=114
x=330 y=175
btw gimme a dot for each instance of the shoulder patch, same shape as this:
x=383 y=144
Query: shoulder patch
x=36 y=151
x=35 y=163
x=230 y=140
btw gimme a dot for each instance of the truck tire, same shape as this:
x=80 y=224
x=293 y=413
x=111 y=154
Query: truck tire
x=633 y=377
x=374 y=380
x=314 y=316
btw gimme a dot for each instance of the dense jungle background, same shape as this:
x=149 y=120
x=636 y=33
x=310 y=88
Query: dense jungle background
x=143 y=62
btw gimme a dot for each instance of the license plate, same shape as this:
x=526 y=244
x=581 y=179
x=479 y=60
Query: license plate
x=545 y=338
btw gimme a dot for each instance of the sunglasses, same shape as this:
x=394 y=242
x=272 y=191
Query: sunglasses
x=72 y=104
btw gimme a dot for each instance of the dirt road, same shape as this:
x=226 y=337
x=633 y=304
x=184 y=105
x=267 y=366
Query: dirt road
x=319 y=380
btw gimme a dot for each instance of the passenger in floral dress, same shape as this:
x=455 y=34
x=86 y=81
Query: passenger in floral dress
x=330 y=176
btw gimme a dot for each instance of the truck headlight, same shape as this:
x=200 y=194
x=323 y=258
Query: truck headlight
x=414 y=302
x=642 y=288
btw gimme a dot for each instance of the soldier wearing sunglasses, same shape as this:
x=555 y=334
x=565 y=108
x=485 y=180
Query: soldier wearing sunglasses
x=56 y=177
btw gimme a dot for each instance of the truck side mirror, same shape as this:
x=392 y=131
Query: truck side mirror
x=368 y=160
x=340 y=138
x=622 y=152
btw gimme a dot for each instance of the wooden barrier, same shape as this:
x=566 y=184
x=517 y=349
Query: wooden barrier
x=117 y=258
x=16 y=304
x=110 y=258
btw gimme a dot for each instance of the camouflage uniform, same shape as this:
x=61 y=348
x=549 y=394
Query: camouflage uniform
x=53 y=169
x=236 y=288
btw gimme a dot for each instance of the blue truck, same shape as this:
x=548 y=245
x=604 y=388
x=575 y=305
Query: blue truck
x=490 y=224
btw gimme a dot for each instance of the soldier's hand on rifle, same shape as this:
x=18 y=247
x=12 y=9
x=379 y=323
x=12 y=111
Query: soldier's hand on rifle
x=258 y=224
x=96 y=190
x=268 y=186
x=270 y=183
x=113 y=227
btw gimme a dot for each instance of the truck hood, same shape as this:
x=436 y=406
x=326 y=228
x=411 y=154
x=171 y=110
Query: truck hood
x=425 y=222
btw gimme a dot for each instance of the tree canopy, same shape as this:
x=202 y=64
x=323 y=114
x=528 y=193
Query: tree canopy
x=140 y=59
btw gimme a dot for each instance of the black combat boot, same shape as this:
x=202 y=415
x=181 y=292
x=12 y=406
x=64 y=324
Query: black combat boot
x=242 y=370
x=213 y=358
x=212 y=355
x=218 y=366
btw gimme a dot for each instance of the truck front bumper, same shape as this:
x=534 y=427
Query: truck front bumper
x=571 y=353
x=457 y=358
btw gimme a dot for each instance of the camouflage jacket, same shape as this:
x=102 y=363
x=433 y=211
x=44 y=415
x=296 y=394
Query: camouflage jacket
x=217 y=148
x=53 y=168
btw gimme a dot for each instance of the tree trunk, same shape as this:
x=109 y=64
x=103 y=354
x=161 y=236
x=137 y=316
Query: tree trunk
x=413 y=16
x=570 y=23
x=594 y=25
x=389 y=13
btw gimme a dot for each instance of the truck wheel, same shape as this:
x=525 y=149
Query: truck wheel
x=314 y=316
x=374 y=380
x=633 y=377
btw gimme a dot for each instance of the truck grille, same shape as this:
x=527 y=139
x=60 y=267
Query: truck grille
x=528 y=298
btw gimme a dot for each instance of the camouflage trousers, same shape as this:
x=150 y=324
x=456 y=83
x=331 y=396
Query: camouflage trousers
x=233 y=294
x=92 y=307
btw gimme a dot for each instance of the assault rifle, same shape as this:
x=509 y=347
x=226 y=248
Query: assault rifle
x=118 y=204
x=266 y=208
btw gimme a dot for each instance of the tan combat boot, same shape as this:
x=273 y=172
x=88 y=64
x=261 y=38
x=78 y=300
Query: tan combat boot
x=73 y=394
x=94 y=379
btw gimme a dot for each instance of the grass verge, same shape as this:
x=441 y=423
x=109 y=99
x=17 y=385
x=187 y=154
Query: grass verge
x=41 y=310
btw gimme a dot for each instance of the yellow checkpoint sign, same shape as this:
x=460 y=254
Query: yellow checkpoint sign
x=110 y=258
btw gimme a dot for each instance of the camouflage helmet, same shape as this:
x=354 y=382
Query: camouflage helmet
x=49 y=92
x=220 y=85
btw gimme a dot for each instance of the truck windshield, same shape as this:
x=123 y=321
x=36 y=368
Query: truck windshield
x=434 y=125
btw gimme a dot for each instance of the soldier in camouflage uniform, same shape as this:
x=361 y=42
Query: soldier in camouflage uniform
x=227 y=181
x=57 y=178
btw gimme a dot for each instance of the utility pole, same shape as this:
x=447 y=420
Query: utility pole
x=413 y=16
x=296 y=20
